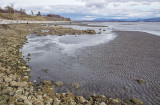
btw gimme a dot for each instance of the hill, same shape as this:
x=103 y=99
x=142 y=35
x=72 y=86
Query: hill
x=18 y=16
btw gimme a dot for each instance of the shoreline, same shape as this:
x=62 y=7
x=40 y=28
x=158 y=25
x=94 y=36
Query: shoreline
x=16 y=89
x=3 y=21
x=112 y=69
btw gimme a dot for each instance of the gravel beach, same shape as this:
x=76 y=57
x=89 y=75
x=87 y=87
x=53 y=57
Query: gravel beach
x=126 y=67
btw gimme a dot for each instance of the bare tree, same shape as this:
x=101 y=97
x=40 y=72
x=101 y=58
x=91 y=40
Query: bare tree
x=32 y=12
x=23 y=11
x=10 y=9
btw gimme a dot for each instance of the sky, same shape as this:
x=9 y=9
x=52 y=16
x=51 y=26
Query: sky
x=90 y=9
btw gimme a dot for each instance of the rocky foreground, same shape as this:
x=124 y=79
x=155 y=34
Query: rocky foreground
x=15 y=88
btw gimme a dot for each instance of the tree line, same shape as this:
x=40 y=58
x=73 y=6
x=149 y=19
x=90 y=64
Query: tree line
x=10 y=9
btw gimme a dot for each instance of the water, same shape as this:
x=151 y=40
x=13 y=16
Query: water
x=101 y=63
x=149 y=27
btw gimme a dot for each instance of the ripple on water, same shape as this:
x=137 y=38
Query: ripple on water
x=99 y=67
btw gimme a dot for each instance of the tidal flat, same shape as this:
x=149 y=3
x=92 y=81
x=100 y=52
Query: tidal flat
x=15 y=87
x=120 y=64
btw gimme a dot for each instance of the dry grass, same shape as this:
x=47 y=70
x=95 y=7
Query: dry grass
x=20 y=17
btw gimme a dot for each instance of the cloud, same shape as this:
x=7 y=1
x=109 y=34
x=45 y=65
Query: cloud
x=115 y=4
x=146 y=3
x=90 y=9
x=96 y=3
x=82 y=12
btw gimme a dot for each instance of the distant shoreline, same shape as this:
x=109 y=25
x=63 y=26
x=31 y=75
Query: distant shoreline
x=3 y=21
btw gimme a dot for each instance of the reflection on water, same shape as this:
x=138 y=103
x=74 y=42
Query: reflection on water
x=149 y=27
x=100 y=63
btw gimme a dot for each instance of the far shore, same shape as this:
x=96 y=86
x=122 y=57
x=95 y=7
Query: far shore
x=3 y=21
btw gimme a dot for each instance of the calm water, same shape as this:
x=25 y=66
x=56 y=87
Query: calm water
x=93 y=62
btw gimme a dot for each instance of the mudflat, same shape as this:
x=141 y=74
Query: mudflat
x=126 y=67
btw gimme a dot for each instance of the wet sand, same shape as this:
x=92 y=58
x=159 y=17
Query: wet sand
x=107 y=68
x=132 y=55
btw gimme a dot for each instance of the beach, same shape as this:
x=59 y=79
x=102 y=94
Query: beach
x=113 y=67
x=110 y=68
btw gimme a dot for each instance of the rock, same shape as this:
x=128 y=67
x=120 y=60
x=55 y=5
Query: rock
x=3 y=102
x=81 y=99
x=140 y=81
x=34 y=81
x=25 y=78
x=47 y=100
x=22 y=68
x=28 y=70
x=12 y=93
x=20 y=100
x=128 y=101
x=14 y=77
x=18 y=84
x=7 y=79
x=126 y=88
x=115 y=101
x=1 y=75
x=48 y=83
x=136 y=101
x=59 y=83
x=75 y=85
x=19 y=92
x=56 y=101
x=102 y=103
x=45 y=70
x=6 y=97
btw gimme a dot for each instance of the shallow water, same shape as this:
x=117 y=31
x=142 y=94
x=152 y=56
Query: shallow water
x=149 y=27
x=100 y=63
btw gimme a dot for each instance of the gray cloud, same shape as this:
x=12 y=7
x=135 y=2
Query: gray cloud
x=102 y=9
x=84 y=12
x=104 y=3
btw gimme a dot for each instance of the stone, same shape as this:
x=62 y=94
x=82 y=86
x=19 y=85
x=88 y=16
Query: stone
x=126 y=88
x=102 y=103
x=45 y=70
x=81 y=99
x=59 y=83
x=75 y=85
x=19 y=92
x=115 y=101
x=12 y=93
x=6 y=97
x=25 y=78
x=20 y=100
x=34 y=81
x=18 y=84
x=56 y=101
x=136 y=101
x=140 y=81
x=3 y=102
x=47 y=83
x=7 y=79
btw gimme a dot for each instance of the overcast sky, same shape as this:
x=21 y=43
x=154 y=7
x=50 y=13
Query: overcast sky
x=90 y=9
